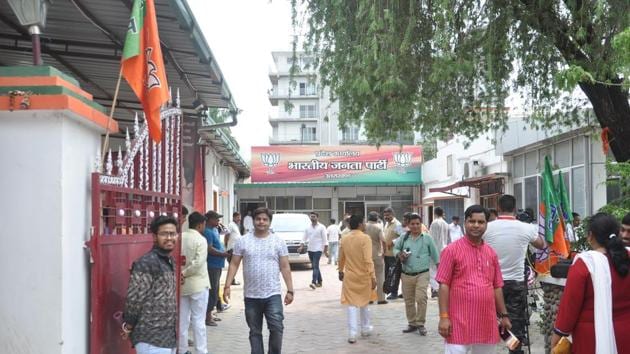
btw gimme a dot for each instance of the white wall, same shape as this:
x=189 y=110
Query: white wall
x=46 y=158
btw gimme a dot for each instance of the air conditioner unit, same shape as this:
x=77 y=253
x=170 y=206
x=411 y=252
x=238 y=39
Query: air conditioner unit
x=477 y=168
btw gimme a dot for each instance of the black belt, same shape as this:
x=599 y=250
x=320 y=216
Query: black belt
x=416 y=273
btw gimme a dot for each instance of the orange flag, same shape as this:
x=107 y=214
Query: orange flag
x=143 y=65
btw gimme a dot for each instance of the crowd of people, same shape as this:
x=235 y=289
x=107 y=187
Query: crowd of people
x=476 y=270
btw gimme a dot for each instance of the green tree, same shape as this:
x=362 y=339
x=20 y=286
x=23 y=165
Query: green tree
x=444 y=66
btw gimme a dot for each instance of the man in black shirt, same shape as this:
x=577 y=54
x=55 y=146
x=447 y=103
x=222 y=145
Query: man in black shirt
x=151 y=308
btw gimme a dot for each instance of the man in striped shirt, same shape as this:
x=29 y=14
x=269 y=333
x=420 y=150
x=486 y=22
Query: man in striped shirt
x=470 y=295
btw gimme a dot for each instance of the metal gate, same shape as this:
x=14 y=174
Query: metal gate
x=130 y=189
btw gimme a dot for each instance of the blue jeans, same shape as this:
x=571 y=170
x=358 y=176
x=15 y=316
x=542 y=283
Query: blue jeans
x=144 y=348
x=333 y=248
x=271 y=308
x=314 y=257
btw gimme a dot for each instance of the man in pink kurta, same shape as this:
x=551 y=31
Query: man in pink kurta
x=470 y=293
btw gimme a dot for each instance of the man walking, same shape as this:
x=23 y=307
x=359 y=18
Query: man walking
x=315 y=235
x=233 y=235
x=470 y=290
x=510 y=238
x=374 y=229
x=150 y=315
x=194 y=291
x=248 y=222
x=455 y=230
x=333 y=232
x=356 y=271
x=416 y=251
x=216 y=262
x=439 y=233
x=392 y=230
x=264 y=257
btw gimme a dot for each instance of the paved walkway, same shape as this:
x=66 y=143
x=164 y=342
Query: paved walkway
x=316 y=323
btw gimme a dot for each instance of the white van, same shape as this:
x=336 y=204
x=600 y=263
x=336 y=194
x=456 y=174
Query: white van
x=290 y=227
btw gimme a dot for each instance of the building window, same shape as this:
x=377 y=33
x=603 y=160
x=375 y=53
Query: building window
x=308 y=111
x=518 y=195
x=531 y=163
x=518 y=166
x=578 y=190
x=322 y=203
x=303 y=203
x=350 y=134
x=578 y=150
x=563 y=154
x=531 y=195
x=284 y=203
x=307 y=89
x=449 y=165
x=309 y=134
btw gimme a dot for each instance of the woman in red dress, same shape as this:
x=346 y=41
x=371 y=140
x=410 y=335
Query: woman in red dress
x=576 y=316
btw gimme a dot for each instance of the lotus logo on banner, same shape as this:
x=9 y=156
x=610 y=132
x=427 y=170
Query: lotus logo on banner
x=270 y=160
x=402 y=160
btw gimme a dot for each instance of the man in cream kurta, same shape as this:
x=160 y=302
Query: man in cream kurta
x=194 y=291
x=356 y=270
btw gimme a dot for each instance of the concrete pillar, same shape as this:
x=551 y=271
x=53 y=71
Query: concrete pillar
x=48 y=147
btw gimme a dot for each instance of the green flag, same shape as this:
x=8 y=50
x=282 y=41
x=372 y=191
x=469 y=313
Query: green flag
x=550 y=205
x=565 y=203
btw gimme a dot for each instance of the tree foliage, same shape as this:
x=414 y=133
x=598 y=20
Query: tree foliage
x=448 y=66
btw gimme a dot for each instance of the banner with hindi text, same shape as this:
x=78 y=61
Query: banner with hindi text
x=337 y=165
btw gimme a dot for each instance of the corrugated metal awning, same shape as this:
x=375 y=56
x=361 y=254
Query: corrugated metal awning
x=84 y=38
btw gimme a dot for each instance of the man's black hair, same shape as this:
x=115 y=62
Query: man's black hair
x=475 y=209
x=388 y=210
x=414 y=216
x=195 y=219
x=313 y=213
x=438 y=211
x=355 y=221
x=575 y=215
x=333 y=221
x=235 y=214
x=507 y=203
x=263 y=210
x=372 y=216
x=161 y=220
x=184 y=210
x=493 y=211
x=455 y=217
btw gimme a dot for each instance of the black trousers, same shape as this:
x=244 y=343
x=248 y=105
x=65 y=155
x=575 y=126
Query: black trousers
x=515 y=297
x=389 y=262
x=215 y=281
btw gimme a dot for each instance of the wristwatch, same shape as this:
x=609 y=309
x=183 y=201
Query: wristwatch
x=290 y=292
x=504 y=315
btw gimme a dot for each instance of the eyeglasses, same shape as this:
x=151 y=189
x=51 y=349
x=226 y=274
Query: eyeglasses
x=167 y=234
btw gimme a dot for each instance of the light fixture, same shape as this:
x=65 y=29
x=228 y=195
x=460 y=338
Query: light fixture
x=32 y=13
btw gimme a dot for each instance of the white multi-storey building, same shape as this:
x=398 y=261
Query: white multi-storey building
x=304 y=123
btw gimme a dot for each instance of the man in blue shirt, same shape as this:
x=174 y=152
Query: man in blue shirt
x=216 y=262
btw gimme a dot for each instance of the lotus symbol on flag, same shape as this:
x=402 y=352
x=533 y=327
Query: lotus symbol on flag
x=402 y=160
x=271 y=160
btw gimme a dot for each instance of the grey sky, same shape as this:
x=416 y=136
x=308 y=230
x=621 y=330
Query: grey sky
x=242 y=34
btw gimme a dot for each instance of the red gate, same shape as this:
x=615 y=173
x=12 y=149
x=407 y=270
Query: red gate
x=137 y=184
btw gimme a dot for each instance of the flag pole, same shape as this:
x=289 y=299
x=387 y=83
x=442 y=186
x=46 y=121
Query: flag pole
x=111 y=115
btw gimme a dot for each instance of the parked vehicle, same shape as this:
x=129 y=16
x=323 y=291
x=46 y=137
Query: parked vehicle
x=291 y=227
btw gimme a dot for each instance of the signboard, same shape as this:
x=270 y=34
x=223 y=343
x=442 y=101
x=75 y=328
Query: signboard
x=345 y=164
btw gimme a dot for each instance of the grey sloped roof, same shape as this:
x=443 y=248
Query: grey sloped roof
x=84 y=38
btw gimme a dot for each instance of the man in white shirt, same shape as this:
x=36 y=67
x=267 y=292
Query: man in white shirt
x=194 y=291
x=439 y=232
x=510 y=238
x=333 y=232
x=317 y=242
x=455 y=230
x=248 y=222
x=230 y=238
x=265 y=256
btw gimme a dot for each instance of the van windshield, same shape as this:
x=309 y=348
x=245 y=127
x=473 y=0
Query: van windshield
x=289 y=224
